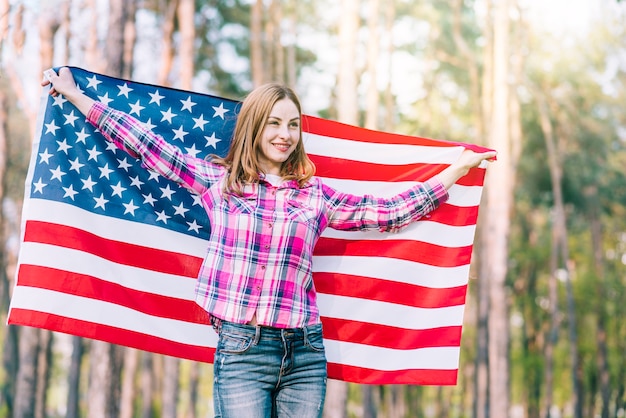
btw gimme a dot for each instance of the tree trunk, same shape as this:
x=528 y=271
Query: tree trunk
x=194 y=380
x=186 y=14
x=93 y=57
x=167 y=48
x=99 y=378
x=114 y=45
x=256 y=43
x=44 y=361
x=5 y=8
x=390 y=14
x=129 y=39
x=26 y=381
x=371 y=111
x=147 y=385
x=127 y=405
x=73 y=390
x=171 y=371
x=499 y=201
x=276 y=44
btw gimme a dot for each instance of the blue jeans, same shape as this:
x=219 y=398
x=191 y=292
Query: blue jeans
x=263 y=372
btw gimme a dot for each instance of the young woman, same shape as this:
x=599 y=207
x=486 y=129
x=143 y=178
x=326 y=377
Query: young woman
x=267 y=211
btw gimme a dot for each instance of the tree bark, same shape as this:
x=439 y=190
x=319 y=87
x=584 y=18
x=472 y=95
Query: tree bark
x=186 y=14
x=167 y=46
x=256 y=43
x=147 y=385
x=171 y=370
x=373 y=98
x=26 y=380
x=131 y=357
x=73 y=391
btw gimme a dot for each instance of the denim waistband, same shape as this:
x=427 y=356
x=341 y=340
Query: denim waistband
x=259 y=331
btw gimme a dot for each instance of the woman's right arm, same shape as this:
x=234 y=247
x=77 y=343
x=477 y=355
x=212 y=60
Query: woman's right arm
x=129 y=134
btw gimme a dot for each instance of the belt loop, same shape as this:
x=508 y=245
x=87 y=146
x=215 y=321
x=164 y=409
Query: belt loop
x=257 y=334
x=306 y=334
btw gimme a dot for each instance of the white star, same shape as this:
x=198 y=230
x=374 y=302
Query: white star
x=180 y=210
x=136 y=182
x=105 y=99
x=124 y=164
x=59 y=100
x=211 y=141
x=76 y=165
x=70 y=192
x=82 y=136
x=179 y=133
x=57 y=173
x=199 y=122
x=167 y=192
x=124 y=90
x=105 y=171
x=52 y=127
x=168 y=115
x=39 y=186
x=188 y=104
x=100 y=202
x=156 y=98
x=136 y=108
x=219 y=111
x=149 y=125
x=153 y=175
x=70 y=119
x=161 y=216
x=45 y=156
x=93 y=154
x=93 y=82
x=197 y=200
x=149 y=199
x=130 y=208
x=110 y=146
x=118 y=189
x=88 y=184
x=193 y=226
x=64 y=146
x=193 y=151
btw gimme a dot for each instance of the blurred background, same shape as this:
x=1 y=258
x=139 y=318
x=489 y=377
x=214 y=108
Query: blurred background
x=543 y=82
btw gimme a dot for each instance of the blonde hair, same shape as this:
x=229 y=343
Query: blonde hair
x=242 y=160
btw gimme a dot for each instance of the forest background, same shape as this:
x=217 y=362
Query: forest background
x=543 y=82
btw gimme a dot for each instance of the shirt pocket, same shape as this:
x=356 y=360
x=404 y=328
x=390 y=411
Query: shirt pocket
x=238 y=205
x=299 y=212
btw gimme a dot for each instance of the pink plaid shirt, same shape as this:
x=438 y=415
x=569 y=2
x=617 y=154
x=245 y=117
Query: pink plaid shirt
x=261 y=246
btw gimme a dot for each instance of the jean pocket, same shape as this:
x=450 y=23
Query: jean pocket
x=314 y=341
x=234 y=343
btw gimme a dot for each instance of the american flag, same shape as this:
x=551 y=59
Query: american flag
x=111 y=251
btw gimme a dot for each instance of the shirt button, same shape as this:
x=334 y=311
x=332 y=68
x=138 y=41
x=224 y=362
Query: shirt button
x=269 y=225
x=262 y=267
x=267 y=246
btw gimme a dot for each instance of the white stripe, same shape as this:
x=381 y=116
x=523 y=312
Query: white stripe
x=106 y=313
x=390 y=154
x=424 y=231
x=401 y=271
x=112 y=228
x=370 y=357
x=88 y=264
x=462 y=196
x=385 y=313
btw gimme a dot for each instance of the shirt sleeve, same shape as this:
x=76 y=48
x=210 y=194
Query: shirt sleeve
x=351 y=212
x=155 y=153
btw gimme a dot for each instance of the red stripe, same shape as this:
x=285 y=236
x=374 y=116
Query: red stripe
x=454 y=215
x=388 y=291
x=387 y=377
x=95 y=288
x=422 y=252
x=110 y=334
x=387 y=336
x=343 y=169
x=112 y=250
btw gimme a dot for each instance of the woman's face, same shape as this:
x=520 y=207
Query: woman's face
x=280 y=136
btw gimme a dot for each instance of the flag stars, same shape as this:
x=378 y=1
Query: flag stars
x=180 y=210
x=52 y=128
x=136 y=108
x=134 y=181
x=130 y=207
x=64 y=146
x=45 y=156
x=105 y=100
x=220 y=111
x=57 y=173
x=110 y=146
x=211 y=141
x=88 y=184
x=192 y=151
x=76 y=165
x=118 y=189
x=124 y=90
x=93 y=82
x=101 y=202
x=39 y=185
x=105 y=171
x=124 y=164
x=70 y=119
x=167 y=115
x=167 y=192
x=59 y=100
x=93 y=154
x=199 y=122
x=156 y=98
x=82 y=136
x=179 y=133
x=188 y=104
x=193 y=226
x=148 y=199
x=197 y=200
x=162 y=217
x=149 y=125
x=70 y=192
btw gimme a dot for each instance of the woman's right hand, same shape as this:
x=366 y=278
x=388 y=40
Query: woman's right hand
x=63 y=83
